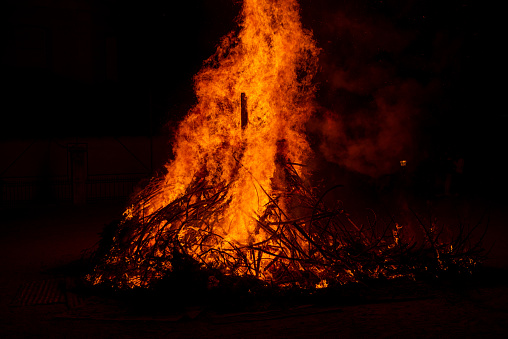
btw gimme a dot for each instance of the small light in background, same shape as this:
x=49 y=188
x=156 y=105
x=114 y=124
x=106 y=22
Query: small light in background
x=403 y=163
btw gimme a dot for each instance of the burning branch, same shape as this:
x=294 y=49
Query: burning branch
x=323 y=244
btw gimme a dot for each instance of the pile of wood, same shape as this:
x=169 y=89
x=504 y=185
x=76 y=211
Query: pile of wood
x=311 y=245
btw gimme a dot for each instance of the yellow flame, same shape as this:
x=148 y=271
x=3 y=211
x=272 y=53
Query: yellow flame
x=272 y=61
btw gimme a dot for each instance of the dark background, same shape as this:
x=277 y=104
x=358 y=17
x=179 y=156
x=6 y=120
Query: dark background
x=429 y=71
x=92 y=68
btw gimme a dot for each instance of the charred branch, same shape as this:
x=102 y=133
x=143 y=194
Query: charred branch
x=322 y=245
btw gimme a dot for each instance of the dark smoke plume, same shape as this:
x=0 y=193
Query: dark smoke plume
x=387 y=72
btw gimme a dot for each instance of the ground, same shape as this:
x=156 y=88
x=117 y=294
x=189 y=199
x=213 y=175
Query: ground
x=37 y=240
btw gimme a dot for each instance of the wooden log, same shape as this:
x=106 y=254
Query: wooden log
x=244 y=113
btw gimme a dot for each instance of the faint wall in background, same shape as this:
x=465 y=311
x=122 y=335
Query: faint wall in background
x=77 y=170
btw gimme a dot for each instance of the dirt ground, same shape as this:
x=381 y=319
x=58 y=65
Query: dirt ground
x=37 y=239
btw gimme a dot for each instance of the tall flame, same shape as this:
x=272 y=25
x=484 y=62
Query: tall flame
x=272 y=61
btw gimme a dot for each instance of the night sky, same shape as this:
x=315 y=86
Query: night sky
x=156 y=49
x=398 y=79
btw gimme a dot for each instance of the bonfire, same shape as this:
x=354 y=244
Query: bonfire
x=237 y=197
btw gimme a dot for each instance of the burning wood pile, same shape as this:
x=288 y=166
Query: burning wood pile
x=236 y=198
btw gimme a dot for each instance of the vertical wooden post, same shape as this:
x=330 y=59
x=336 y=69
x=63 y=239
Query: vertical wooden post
x=245 y=114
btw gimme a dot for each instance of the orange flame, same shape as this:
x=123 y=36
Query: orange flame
x=272 y=60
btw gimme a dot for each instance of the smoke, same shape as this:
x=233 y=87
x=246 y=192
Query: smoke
x=374 y=139
x=379 y=77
